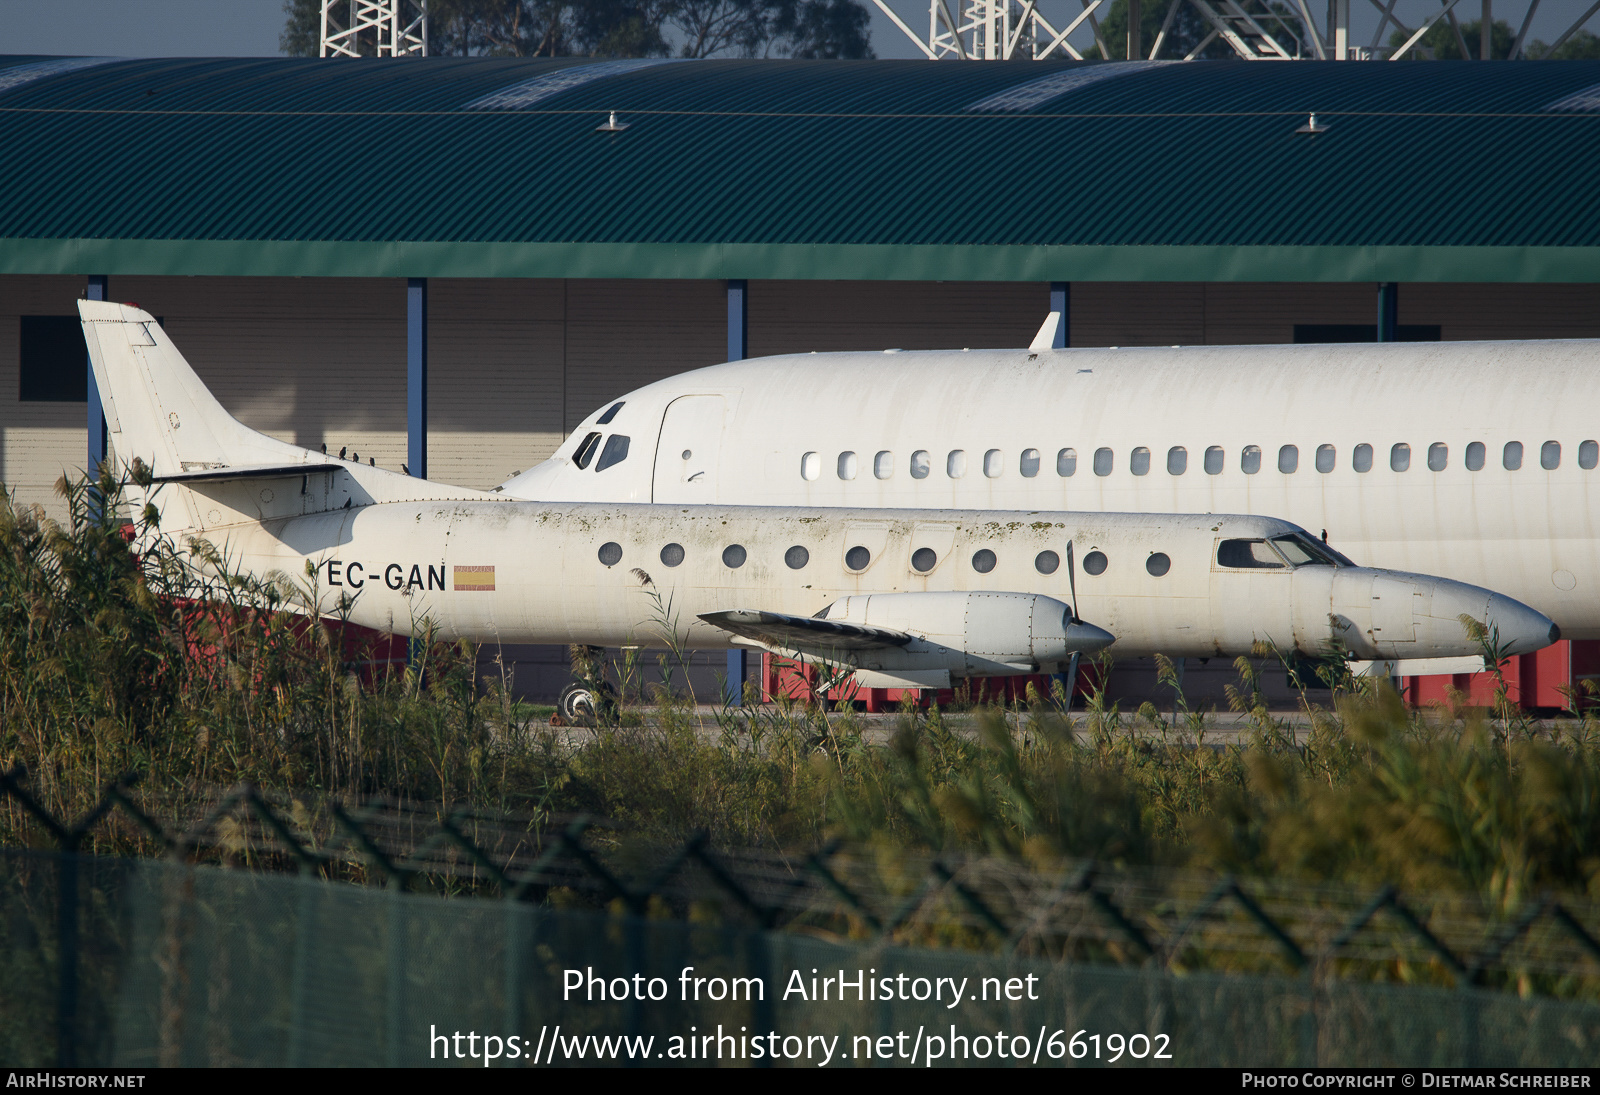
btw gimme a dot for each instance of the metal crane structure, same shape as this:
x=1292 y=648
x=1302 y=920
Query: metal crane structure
x=1256 y=30
x=383 y=28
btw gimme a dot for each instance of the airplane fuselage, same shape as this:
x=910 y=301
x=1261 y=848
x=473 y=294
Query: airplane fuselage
x=1475 y=461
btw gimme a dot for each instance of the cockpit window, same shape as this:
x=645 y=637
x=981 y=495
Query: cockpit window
x=1248 y=555
x=611 y=412
x=615 y=452
x=585 y=450
x=1302 y=551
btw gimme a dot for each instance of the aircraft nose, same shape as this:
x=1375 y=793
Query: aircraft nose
x=1517 y=628
x=1521 y=629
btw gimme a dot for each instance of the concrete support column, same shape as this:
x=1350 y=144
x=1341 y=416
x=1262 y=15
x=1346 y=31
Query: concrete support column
x=1135 y=46
x=1388 y=311
x=417 y=377
x=738 y=349
x=95 y=423
x=1061 y=305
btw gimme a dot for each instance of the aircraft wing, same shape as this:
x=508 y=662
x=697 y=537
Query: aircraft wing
x=244 y=471
x=778 y=630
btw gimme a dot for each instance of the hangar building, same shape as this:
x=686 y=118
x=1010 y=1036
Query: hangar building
x=446 y=263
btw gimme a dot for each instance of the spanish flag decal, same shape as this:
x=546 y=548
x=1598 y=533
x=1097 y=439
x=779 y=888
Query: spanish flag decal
x=475 y=579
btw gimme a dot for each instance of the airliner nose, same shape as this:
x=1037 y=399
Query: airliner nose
x=1520 y=629
x=1516 y=628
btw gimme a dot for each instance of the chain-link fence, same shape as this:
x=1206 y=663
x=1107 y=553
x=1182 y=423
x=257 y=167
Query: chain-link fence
x=479 y=924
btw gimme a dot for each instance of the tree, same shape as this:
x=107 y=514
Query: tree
x=620 y=28
x=1582 y=46
x=1440 y=42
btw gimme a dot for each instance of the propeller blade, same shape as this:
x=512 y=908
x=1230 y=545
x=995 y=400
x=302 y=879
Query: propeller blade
x=1072 y=581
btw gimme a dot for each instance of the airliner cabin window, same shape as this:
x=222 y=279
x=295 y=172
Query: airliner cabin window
x=1588 y=455
x=847 y=465
x=1438 y=456
x=1550 y=455
x=585 y=451
x=1046 y=562
x=615 y=452
x=1475 y=456
x=955 y=465
x=1248 y=555
x=1214 y=458
x=1177 y=460
x=672 y=555
x=1327 y=457
x=1066 y=462
x=883 y=465
x=1139 y=461
x=605 y=419
x=921 y=464
x=992 y=461
x=811 y=466
x=1103 y=461
x=1400 y=457
x=1029 y=464
x=1361 y=458
x=1288 y=459
x=983 y=560
x=1511 y=456
x=1250 y=459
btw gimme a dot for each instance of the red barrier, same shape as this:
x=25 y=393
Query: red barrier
x=786 y=677
x=1533 y=681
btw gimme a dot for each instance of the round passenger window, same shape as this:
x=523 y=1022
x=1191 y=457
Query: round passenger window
x=672 y=554
x=857 y=558
x=924 y=560
x=611 y=553
x=1094 y=562
x=983 y=561
x=796 y=557
x=733 y=556
x=1158 y=564
x=1046 y=562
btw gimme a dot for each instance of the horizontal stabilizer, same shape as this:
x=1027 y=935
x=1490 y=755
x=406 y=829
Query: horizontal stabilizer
x=777 y=630
x=244 y=471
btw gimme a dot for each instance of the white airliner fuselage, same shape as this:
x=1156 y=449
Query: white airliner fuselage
x=1475 y=461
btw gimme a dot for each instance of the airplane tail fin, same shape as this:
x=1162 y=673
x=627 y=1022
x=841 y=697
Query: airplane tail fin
x=209 y=470
x=157 y=409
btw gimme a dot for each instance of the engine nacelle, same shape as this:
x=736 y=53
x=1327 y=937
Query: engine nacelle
x=969 y=634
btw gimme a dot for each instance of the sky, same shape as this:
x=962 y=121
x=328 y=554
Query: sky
x=250 y=28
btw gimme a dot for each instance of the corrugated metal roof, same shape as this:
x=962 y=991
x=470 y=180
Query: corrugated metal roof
x=802 y=168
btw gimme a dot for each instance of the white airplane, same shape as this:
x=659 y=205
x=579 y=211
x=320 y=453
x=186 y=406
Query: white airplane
x=1476 y=461
x=910 y=597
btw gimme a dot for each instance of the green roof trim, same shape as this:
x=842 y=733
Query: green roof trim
x=757 y=261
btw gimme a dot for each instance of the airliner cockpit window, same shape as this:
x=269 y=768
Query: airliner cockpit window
x=1302 y=551
x=605 y=419
x=585 y=450
x=1248 y=555
x=615 y=452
